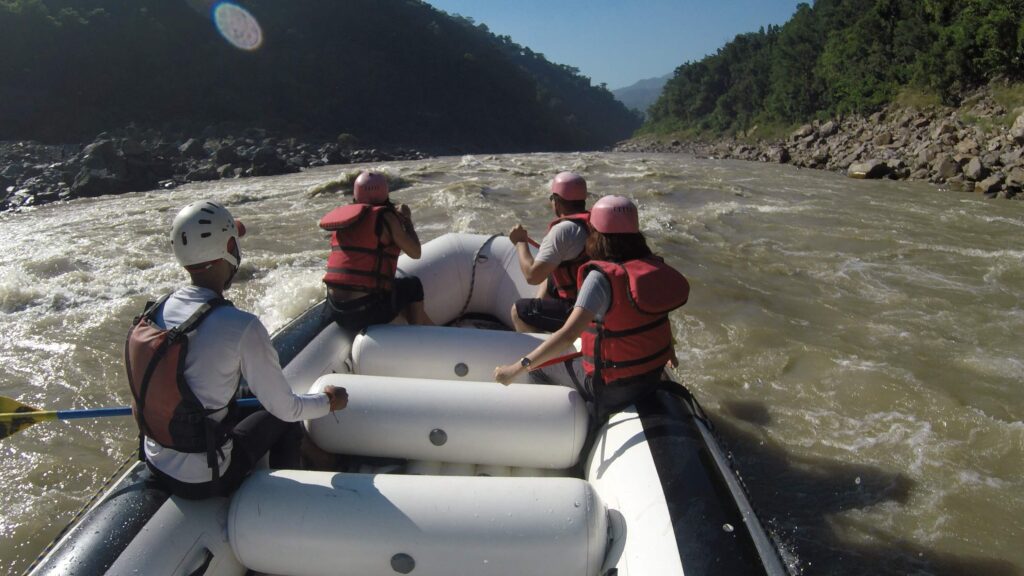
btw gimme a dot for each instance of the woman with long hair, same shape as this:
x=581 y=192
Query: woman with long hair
x=621 y=312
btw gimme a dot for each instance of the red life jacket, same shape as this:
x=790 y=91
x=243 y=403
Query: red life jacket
x=358 y=259
x=164 y=406
x=562 y=282
x=635 y=336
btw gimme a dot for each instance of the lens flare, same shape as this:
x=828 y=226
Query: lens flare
x=238 y=26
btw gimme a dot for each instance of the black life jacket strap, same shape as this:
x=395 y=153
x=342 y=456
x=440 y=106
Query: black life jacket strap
x=198 y=316
x=354 y=272
x=631 y=332
x=362 y=250
x=599 y=363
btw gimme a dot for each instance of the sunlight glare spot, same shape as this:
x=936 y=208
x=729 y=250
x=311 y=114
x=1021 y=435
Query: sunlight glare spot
x=238 y=26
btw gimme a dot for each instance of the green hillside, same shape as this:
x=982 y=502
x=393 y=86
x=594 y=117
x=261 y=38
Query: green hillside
x=389 y=71
x=844 y=56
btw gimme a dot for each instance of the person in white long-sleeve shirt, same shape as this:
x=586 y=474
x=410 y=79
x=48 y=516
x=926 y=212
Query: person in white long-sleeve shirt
x=226 y=344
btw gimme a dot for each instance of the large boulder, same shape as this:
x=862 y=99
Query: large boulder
x=131 y=148
x=193 y=148
x=103 y=156
x=203 y=174
x=925 y=157
x=12 y=172
x=1017 y=130
x=872 y=169
x=226 y=154
x=802 y=132
x=975 y=170
x=944 y=127
x=267 y=162
x=945 y=167
x=990 y=185
x=779 y=155
x=819 y=158
x=967 y=146
x=828 y=129
x=921 y=122
x=1012 y=157
x=91 y=182
x=1015 y=178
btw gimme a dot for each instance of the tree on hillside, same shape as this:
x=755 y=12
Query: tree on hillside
x=795 y=89
x=975 y=40
x=395 y=71
x=841 y=56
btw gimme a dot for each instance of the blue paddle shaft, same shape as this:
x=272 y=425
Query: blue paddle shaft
x=125 y=410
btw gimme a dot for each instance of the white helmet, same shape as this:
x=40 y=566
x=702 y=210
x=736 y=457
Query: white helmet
x=204 y=231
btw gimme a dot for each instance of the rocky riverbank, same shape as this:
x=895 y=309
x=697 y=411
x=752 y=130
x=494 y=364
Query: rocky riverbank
x=970 y=148
x=32 y=173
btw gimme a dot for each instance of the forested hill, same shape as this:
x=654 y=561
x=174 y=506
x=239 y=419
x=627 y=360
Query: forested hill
x=843 y=56
x=389 y=71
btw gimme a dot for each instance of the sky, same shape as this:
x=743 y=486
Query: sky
x=619 y=42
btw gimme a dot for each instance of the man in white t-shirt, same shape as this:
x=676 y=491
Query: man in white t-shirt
x=185 y=356
x=561 y=253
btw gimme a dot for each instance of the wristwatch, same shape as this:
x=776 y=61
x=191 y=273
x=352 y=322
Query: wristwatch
x=525 y=362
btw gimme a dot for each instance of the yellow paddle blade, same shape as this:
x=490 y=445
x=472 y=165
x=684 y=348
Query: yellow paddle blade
x=10 y=405
x=15 y=416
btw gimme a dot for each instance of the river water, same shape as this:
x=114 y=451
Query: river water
x=858 y=343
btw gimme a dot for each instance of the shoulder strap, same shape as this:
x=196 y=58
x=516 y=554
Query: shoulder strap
x=197 y=317
x=151 y=307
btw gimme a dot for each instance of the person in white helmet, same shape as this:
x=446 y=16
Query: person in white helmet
x=185 y=355
x=559 y=256
x=367 y=236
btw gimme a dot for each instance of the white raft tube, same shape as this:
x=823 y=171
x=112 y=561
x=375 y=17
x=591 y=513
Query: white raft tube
x=458 y=422
x=368 y=525
x=440 y=352
x=468 y=273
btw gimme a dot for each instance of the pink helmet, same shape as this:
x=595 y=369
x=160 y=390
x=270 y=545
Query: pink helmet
x=615 y=215
x=570 y=186
x=370 y=188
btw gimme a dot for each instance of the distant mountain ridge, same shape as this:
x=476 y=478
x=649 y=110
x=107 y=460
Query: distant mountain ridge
x=390 y=71
x=641 y=95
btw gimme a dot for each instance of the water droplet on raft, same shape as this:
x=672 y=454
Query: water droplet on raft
x=857 y=480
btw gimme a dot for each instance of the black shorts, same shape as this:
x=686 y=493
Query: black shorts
x=251 y=438
x=603 y=399
x=544 y=314
x=377 y=308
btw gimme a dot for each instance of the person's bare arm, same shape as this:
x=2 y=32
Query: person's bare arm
x=534 y=272
x=550 y=348
x=402 y=232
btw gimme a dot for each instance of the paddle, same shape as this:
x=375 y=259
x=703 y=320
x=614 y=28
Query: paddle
x=15 y=416
x=553 y=361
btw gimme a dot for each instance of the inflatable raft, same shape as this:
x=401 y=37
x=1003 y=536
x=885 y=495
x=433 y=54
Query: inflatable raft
x=439 y=471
